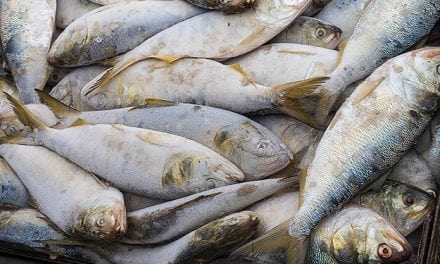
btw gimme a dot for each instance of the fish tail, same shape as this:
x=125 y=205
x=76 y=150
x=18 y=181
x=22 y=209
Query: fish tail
x=275 y=246
x=23 y=114
x=58 y=108
x=291 y=98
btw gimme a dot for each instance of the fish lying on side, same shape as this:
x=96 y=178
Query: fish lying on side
x=112 y=30
x=26 y=29
x=256 y=151
x=135 y=202
x=406 y=22
x=315 y=6
x=344 y=14
x=413 y=170
x=71 y=197
x=29 y=229
x=202 y=245
x=166 y=221
x=226 y=37
x=198 y=81
x=226 y=6
x=140 y=161
x=310 y=31
x=288 y=63
x=12 y=191
x=69 y=10
x=432 y=154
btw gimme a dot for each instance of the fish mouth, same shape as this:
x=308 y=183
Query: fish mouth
x=399 y=256
x=267 y=169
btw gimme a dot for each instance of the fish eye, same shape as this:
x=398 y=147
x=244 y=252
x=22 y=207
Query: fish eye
x=408 y=199
x=438 y=69
x=100 y=222
x=100 y=100
x=432 y=192
x=384 y=251
x=320 y=32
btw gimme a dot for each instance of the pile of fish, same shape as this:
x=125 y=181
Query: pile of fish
x=231 y=131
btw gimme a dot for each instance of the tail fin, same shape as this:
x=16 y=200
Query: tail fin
x=276 y=246
x=58 y=108
x=293 y=99
x=23 y=114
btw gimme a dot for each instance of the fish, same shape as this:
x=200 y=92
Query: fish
x=57 y=75
x=310 y=31
x=193 y=81
x=356 y=235
x=71 y=197
x=404 y=206
x=344 y=14
x=279 y=63
x=69 y=10
x=315 y=6
x=112 y=30
x=226 y=37
x=369 y=134
x=167 y=221
x=206 y=243
x=68 y=89
x=31 y=230
x=135 y=202
x=109 y=2
x=227 y=7
x=256 y=151
x=26 y=30
x=406 y=22
x=413 y=170
x=432 y=154
x=13 y=193
x=140 y=161
x=6 y=85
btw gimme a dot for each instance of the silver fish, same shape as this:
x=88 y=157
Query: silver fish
x=135 y=202
x=12 y=191
x=432 y=154
x=226 y=6
x=69 y=10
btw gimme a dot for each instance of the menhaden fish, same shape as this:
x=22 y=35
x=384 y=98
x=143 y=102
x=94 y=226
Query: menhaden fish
x=197 y=81
x=144 y=162
x=112 y=30
x=226 y=37
x=310 y=31
x=26 y=29
x=12 y=191
x=226 y=6
x=206 y=243
x=255 y=150
x=71 y=197
x=69 y=10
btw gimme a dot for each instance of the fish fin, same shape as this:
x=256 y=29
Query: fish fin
x=275 y=244
x=365 y=88
x=293 y=180
x=110 y=62
x=341 y=48
x=168 y=59
x=236 y=67
x=287 y=97
x=23 y=114
x=302 y=183
x=297 y=52
x=153 y=103
x=151 y=139
x=58 y=108
x=17 y=139
x=79 y=122
x=99 y=181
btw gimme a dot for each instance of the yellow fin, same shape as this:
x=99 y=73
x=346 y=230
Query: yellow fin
x=341 y=48
x=152 y=139
x=297 y=52
x=23 y=114
x=289 y=97
x=58 y=108
x=302 y=183
x=238 y=69
x=275 y=244
x=154 y=103
x=169 y=59
x=79 y=122
x=365 y=88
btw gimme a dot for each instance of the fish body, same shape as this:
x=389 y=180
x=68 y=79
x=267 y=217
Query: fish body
x=204 y=244
x=144 y=162
x=344 y=14
x=112 y=30
x=356 y=235
x=227 y=6
x=315 y=7
x=251 y=147
x=29 y=229
x=413 y=170
x=70 y=196
x=69 y=10
x=406 y=22
x=372 y=130
x=163 y=222
x=432 y=153
x=135 y=202
x=13 y=192
x=226 y=37
x=310 y=31
x=293 y=62
x=26 y=31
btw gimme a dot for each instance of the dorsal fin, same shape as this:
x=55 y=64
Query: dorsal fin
x=154 y=103
x=23 y=114
x=79 y=122
x=58 y=108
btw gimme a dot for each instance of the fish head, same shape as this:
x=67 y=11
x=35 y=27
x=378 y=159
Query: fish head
x=102 y=223
x=193 y=173
x=101 y=99
x=63 y=92
x=404 y=206
x=258 y=153
x=417 y=77
x=320 y=33
x=362 y=236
